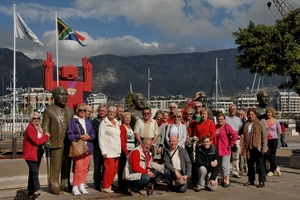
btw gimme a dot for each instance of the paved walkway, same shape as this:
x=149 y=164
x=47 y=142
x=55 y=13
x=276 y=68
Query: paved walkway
x=285 y=187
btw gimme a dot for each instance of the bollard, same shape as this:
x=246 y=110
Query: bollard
x=14 y=145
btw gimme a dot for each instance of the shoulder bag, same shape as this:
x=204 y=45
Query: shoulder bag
x=78 y=148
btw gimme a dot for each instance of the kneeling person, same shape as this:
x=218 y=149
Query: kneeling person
x=135 y=171
x=178 y=166
x=207 y=161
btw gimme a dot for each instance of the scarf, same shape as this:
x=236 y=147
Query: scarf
x=251 y=140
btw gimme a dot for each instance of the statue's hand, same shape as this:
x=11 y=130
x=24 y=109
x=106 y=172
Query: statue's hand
x=47 y=145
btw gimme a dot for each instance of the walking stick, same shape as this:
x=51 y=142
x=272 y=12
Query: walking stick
x=47 y=148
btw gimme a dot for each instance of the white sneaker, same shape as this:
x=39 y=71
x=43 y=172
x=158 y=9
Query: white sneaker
x=278 y=171
x=270 y=174
x=75 y=191
x=107 y=190
x=82 y=189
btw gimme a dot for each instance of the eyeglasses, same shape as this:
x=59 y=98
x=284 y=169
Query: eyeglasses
x=80 y=110
x=146 y=113
x=188 y=113
x=177 y=116
x=172 y=107
x=89 y=111
x=198 y=106
x=36 y=118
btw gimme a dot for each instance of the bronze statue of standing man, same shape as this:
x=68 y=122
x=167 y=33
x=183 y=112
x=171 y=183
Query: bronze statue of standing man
x=55 y=121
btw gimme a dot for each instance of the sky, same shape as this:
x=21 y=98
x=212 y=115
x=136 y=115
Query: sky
x=132 y=27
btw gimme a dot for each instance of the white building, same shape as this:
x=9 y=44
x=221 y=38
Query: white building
x=246 y=100
x=287 y=103
x=95 y=100
x=163 y=103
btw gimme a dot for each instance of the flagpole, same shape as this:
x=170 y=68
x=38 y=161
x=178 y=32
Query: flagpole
x=56 y=49
x=14 y=136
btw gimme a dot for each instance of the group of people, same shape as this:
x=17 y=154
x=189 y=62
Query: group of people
x=179 y=145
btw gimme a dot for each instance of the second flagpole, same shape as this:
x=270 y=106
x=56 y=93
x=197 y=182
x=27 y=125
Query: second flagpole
x=56 y=48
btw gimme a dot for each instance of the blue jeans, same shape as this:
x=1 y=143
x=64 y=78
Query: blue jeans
x=282 y=139
x=137 y=185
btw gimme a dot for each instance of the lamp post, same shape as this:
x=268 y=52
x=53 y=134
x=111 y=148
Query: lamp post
x=247 y=90
x=149 y=79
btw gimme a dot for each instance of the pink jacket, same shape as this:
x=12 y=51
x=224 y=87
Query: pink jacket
x=226 y=137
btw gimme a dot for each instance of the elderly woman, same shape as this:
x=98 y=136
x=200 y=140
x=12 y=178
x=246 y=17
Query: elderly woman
x=127 y=144
x=177 y=129
x=254 y=147
x=33 y=150
x=204 y=127
x=81 y=128
x=273 y=130
x=110 y=145
x=158 y=117
x=225 y=140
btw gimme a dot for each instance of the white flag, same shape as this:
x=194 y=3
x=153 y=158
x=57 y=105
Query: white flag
x=22 y=31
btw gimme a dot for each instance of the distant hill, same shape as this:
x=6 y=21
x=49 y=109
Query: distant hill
x=171 y=74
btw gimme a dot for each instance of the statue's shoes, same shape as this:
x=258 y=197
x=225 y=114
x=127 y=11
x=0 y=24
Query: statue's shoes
x=56 y=191
x=66 y=188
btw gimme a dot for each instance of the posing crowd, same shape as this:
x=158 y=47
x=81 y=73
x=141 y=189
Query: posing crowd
x=176 y=145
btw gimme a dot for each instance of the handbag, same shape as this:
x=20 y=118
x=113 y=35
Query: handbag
x=78 y=148
x=234 y=148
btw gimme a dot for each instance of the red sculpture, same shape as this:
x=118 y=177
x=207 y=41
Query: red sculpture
x=67 y=79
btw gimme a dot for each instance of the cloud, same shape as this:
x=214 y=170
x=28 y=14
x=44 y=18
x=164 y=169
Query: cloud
x=180 y=25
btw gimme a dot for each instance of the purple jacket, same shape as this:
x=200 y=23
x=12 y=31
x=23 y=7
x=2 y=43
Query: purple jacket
x=74 y=135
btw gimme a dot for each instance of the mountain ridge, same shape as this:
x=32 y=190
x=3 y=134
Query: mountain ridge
x=172 y=74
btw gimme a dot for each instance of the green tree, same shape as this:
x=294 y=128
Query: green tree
x=269 y=50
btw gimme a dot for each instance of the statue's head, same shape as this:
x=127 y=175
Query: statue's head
x=138 y=101
x=262 y=98
x=60 y=96
x=202 y=98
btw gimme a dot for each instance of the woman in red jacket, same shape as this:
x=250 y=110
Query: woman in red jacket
x=204 y=127
x=33 y=150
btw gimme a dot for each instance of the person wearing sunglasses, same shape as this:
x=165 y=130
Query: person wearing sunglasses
x=33 y=150
x=173 y=109
x=177 y=129
x=81 y=128
x=146 y=127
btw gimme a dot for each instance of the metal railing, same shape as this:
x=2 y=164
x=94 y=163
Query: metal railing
x=6 y=127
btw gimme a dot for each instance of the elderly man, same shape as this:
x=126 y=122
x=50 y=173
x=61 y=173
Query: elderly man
x=236 y=123
x=120 y=111
x=207 y=161
x=146 y=127
x=97 y=156
x=135 y=171
x=178 y=166
x=197 y=108
x=173 y=109
x=56 y=120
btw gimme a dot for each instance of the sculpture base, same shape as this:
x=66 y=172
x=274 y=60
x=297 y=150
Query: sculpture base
x=295 y=161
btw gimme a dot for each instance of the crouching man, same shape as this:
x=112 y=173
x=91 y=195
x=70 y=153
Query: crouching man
x=135 y=171
x=207 y=161
x=178 y=166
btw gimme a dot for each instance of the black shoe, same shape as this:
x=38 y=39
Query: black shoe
x=225 y=185
x=170 y=189
x=260 y=185
x=197 y=189
x=249 y=183
x=34 y=196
